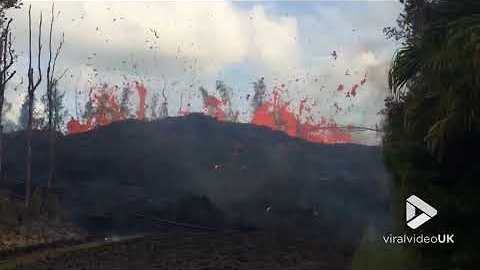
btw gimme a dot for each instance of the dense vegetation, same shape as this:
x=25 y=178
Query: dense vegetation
x=432 y=121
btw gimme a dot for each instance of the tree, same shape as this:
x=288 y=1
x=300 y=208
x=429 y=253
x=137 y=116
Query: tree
x=435 y=76
x=164 y=107
x=411 y=21
x=89 y=109
x=59 y=111
x=6 y=4
x=23 y=116
x=260 y=90
x=7 y=59
x=226 y=93
x=124 y=102
x=32 y=86
x=153 y=106
x=432 y=119
x=52 y=98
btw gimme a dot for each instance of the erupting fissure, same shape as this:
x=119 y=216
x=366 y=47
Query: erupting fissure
x=274 y=113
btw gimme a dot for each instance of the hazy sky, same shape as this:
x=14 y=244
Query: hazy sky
x=188 y=44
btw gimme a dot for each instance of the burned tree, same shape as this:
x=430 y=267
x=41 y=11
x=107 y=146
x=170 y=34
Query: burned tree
x=124 y=103
x=7 y=59
x=153 y=107
x=52 y=98
x=226 y=93
x=32 y=86
x=260 y=90
x=58 y=106
x=164 y=107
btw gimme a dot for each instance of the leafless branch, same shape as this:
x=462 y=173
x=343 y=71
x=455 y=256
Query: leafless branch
x=57 y=53
x=6 y=47
x=39 y=80
x=10 y=76
x=50 y=50
x=62 y=75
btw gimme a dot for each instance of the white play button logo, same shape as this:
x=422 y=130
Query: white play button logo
x=415 y=220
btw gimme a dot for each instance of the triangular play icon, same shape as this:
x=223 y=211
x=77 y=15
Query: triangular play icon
x=427 y=212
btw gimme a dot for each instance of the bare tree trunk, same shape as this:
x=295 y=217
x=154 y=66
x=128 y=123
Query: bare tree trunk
x=2 y=173
x=51 y=134
x=28 y=179
x=51 y=173
x=32 y=86
x=2 y=99
x=52 y=99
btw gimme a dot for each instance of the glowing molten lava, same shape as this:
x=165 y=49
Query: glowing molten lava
x=75 y=126
x=142 y=93
x=213 y=107
x=326 y=131
x=105 y=109
x=276 y=115
x=108 y=110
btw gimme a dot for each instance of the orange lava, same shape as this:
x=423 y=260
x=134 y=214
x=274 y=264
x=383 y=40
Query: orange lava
x=326 y=132
x=213 y=107
x=106 y=109
x=276 y=115
x=75 y=126
x=142 y=93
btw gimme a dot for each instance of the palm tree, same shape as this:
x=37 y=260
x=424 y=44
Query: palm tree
x=435 y=74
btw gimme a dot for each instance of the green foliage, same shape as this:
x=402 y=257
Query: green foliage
x=23 y=117
x=435 y=78
x=432 y=122
x=409 y=21
x=38 y=121
x=59 y=110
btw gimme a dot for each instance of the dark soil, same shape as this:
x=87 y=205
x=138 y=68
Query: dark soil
x=188 y=250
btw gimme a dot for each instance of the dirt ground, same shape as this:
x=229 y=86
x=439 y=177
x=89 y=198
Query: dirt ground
x=193 y=250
